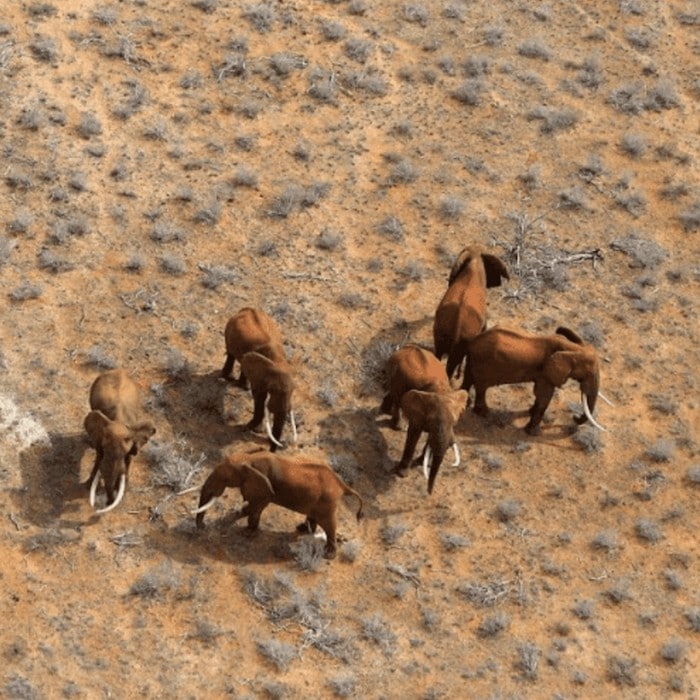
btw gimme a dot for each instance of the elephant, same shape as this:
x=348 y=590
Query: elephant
x=433 y=406
x=506 y=356
x=117 y=429
x=273 y=379
x=302 y=485
x=250 y=330
x=436 y=414
x=411 y=367
x=461 y=314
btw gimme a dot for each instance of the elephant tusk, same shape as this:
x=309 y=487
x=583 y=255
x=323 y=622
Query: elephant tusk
x=93 y=488
x=118 y=499
x=294 y=427
x=606 y=399
x=268 y=427
x=589 y=415
x=189 y=490
x=206 y=506
x=426 y=459
x=458 y=458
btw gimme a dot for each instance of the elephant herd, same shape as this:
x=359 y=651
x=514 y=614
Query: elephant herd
x=418 y=386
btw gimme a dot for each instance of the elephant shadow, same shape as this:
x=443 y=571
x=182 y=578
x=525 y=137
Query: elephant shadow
x=210 y=412
x=227 y=540
x=51 y=478
x=358 y=452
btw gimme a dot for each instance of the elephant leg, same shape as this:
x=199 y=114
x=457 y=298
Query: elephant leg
x=307 y=527
x=412 y=437
x=258 y=410
x=328 y=525
x=242 y=380
x=254 y=513
x=480 y=407
x=95 y=468
x=387 y=403
x=543 y=395
x=228 y=366
x=395 y=417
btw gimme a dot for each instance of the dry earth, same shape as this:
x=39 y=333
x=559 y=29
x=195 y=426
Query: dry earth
x=165 y=163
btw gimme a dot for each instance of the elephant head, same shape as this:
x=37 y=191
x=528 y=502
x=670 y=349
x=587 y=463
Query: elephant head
x=273 y=379
x=581 y=365
x=436 y=414
x=494 y=267
x=115 y=444
x=255 y=486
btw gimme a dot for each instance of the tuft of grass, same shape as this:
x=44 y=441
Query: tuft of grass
x=583 y=609
x=692 y=615
x=308 y=553
x=49 y=261
x=375 y=628
x=343 y=685
x=173 y=463
x=552 y=119
x=607 y=540
x=416 y=13
x=692 y=475
x=261 y=16
x=392 y=228
x=45 y=48
x=647 y=530
x=622 y=670
x=391 y=533
x=528 y=660
x=279 y=654
x=493 y=625
x=484 y=594
x=97 y=357
x=470 y=92
x=358 y=49
x=451 y=542
x=690 y=218
x=154 y=584
x=332 y=30
x=589 y=439
x=633 y=145
x=350 y=550
x=661 y=450
x=89 y=125
x=216 y=275
x=26 y=290
x=534 y=48
x=508 y=510
x=643 y=252
x=172 y=264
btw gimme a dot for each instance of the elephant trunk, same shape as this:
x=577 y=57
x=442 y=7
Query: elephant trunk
x=589 y=396
x=438 y=442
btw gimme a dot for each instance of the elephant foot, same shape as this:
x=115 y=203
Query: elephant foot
x=533 y=429
x=305 y=528
x=481 y=410
x=252 y=425
x=401 y=471
x=242 y=383
x=580 y=420
x=329 y=552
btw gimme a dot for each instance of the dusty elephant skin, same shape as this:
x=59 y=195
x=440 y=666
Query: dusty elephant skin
x=117 y=430
x=461 y=313
x=254 y=340
x=417 y=384
x=435 y=414
x=506 y=356
x=304 y=486
x=246 y=331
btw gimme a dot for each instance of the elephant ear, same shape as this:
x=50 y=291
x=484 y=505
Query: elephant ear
x=495 y=270
x=570 y=335
x=559 y=367
x=259 y=369
x=95 y=424
x=456 y=402
x=140 y=433
x=463 y=259
x=418 y=406
x=255 y=486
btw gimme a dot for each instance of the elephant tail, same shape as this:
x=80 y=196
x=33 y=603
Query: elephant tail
x=457 y=354
x=352 y=492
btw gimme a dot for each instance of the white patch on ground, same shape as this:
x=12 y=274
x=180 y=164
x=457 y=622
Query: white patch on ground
x=18 y=429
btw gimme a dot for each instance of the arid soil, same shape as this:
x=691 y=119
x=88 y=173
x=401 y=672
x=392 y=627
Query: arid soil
x=166 y=163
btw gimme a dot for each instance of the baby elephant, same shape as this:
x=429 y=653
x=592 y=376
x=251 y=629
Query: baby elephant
x=117 y=430
x=304 y=486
